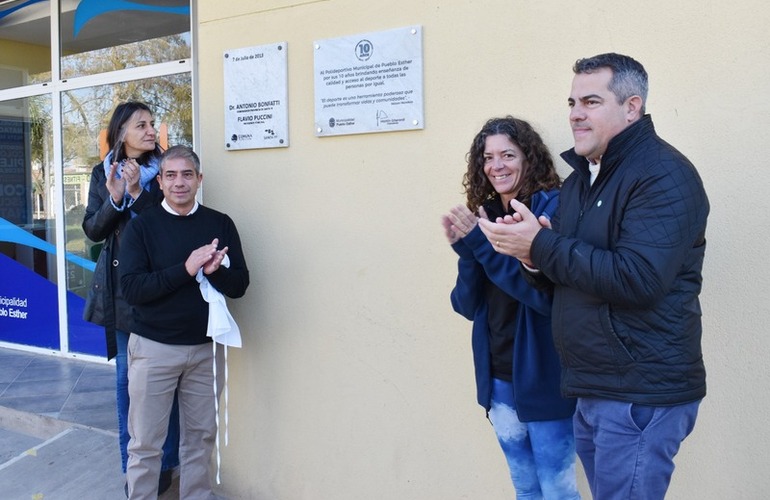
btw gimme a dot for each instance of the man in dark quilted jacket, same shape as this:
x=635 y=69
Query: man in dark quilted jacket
x=623 y=255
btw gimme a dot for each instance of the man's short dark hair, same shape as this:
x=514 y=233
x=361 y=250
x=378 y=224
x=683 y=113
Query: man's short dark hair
x=629 y=77
x=183 y=152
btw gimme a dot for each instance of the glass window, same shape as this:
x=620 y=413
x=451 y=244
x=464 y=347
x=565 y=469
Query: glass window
x=98 y=36
x=85 y=117
x=28 y=288
x=25 y=42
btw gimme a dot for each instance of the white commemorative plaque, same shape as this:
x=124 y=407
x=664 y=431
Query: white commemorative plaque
x=370 y=82
x=256 y=108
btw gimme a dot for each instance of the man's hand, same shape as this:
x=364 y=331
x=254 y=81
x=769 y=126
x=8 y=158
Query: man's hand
x=215 y=262
x=206 y=257
x=513 y=235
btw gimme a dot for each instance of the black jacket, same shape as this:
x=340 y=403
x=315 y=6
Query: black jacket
x=625 y=257
x=102 y=222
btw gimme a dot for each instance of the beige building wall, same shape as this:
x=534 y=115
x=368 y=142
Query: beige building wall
x=355 y=379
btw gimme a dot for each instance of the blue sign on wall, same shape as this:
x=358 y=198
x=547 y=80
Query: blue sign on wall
x=28 y=306
x=29 y=302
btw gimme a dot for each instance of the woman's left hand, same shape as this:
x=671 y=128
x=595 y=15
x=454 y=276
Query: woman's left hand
x=131 y=172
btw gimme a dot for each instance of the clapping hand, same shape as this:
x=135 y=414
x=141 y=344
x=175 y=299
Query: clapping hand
x=116 y=185
x=458 y=223
x=513 y=234
x=206 y=257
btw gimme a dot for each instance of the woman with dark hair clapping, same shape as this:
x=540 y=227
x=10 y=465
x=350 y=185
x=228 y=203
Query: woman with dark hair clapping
x=122 y=186
x=516 y=365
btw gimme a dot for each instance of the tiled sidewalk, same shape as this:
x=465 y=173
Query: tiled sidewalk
x=67 y=389
x=58 y=428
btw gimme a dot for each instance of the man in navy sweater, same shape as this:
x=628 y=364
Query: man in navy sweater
x=169 y=349
x=624 y=259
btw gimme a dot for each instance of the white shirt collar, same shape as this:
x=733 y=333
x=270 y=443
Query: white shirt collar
x=170 y=210
x=594 y=168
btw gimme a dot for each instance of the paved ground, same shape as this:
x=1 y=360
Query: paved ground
x=58 y=429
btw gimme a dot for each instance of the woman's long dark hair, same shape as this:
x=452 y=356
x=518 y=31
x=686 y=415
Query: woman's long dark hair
x=539 y=173
x=120 y=116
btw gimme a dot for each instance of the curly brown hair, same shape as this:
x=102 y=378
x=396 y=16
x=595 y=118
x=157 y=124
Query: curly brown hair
x=539 y=171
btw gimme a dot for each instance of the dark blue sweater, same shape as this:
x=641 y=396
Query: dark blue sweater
x=167 y=302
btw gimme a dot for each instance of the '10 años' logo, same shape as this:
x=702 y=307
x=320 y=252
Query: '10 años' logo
x=364 y=50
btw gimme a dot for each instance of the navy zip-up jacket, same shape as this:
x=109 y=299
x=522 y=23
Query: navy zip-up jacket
x=625 y=257
x=535 y=362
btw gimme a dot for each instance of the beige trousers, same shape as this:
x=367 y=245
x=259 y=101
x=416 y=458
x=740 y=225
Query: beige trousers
x=155 y=371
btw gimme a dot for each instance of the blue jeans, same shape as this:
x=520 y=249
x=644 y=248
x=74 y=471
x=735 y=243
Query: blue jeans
x=540 y=455
x=628 y=449
x=171 y=446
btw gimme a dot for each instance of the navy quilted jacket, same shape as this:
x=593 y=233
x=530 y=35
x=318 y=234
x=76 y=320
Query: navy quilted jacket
x=625 y=258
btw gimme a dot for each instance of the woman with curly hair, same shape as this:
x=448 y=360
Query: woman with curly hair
x=516 y=365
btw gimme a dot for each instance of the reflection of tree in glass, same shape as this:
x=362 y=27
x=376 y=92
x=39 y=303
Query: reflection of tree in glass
x=130 y=55
x=40 y=139
x=87 y=111
x=39 y=127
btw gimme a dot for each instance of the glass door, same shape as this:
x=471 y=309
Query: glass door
x=55 y=102
x=85 y=116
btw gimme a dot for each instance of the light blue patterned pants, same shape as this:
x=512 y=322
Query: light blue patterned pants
x=540 y=455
